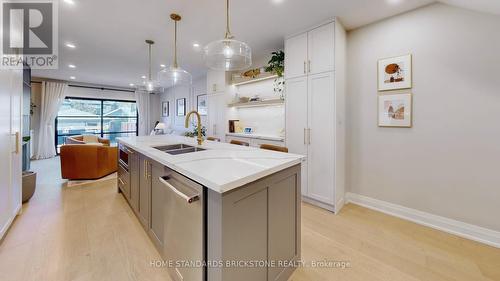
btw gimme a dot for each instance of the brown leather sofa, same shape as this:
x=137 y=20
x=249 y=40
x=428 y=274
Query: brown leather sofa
x=86 y=161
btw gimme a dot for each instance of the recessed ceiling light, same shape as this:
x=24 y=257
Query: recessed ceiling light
x=393 y=2
x=71 y=66
x=277 y=1
x=131 y=84
x=196 y=45
x=70 y=45
x=162 y=66
x=72 y=77
x=70 y=2
x=143 y=76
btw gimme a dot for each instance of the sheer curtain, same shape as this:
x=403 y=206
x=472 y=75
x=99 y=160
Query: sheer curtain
x=143 y=108
x=53 y=94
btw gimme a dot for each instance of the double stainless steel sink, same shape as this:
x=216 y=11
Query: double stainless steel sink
x=176 y=149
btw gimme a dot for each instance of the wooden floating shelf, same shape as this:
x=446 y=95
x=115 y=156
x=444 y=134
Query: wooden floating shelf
x=243 y=81
x=257 y=103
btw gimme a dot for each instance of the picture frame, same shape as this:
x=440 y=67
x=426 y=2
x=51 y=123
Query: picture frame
x=202 y=104
x=165 y=109
x=395 y=73
x=395 y=110
x=181 y=107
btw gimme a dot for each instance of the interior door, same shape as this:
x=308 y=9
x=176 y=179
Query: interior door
x=321 y=138
x=321 y=47
x=296 y=121
x=10 y=146
x=296 y=56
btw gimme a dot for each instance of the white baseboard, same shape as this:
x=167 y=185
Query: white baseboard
x=318 y=203
x=5 y=228
x=465 y=230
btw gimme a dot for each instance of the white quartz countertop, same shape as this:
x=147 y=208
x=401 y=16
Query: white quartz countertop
x=221 y=167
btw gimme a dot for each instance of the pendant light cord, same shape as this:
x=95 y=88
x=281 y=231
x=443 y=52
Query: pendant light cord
x=175 y=44
x=228 y=31
x=150 y=62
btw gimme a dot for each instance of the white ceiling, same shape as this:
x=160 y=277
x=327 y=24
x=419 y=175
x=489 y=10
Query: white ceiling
x=110 y=34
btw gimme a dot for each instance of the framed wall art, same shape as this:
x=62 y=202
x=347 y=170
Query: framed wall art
x=165 y=109
x=395 y=110
x=181 y=107
x=395 y=73
x=201 y=102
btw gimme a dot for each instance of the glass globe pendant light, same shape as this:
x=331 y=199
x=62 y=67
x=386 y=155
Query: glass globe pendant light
x=228 y=54
x=174 y=75
x=149 y=85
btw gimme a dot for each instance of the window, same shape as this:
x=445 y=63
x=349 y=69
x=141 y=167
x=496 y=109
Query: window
x=105 y=118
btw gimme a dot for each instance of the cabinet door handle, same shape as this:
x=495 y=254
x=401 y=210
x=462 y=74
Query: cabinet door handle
x=304 y=67
x=189 y=199
x=17 y=135
x=309 y=136
x=305 y=132
x=309 y=66
x=145 y=168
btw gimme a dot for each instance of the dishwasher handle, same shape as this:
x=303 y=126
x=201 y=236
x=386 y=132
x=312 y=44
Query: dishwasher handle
x=189 y=199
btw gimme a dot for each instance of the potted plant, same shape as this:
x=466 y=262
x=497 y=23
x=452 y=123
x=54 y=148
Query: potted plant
x=277 y=65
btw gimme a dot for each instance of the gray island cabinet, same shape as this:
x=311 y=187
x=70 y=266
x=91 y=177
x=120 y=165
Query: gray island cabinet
x=239 y=228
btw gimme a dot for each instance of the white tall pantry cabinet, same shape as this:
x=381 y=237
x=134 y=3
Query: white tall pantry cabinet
x=315 y=111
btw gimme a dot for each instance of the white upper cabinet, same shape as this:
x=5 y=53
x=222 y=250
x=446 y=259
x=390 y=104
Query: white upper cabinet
x=320 y=52
x=296 y=56
x=310 y=52
x=216 y=81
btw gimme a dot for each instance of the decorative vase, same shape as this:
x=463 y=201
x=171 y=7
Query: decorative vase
x=279 y=87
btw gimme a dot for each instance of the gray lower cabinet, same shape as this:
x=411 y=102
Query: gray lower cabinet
x=144 y=210
x=133 y=163
x=256 y=222
x=158 y=205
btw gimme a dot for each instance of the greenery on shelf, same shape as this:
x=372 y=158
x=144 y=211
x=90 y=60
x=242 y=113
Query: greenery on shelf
x=277 y=63
x=26 y=139
x=194 y=133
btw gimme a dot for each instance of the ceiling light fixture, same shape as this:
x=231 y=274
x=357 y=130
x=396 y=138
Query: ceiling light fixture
x=131 y=84
x=72 y=77
x=228 y=54
x=70 y=45
x=71 y=2
x=149 y=85
x=196 y=45
x=174 y=75
x=162 y=66
x=71 y=66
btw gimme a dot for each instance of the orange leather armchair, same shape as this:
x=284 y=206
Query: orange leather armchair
x=87 y=162
x=79 y=140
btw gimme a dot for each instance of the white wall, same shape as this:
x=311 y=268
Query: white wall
x=199 y=87
x=448 y=163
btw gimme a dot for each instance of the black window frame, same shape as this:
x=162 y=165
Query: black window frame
x=101 y=117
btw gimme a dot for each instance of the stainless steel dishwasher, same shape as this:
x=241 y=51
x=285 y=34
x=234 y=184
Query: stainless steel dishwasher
x=185 y=227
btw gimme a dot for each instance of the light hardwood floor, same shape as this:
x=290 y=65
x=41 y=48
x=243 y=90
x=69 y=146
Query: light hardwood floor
x=90 y=233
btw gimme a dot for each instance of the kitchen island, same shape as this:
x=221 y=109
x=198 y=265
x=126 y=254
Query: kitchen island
x=214 y=211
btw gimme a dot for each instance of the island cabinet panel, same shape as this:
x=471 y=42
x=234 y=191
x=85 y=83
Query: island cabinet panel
x=158 y=204
x=133 y=163
x=259 y=221
x=144 y=212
